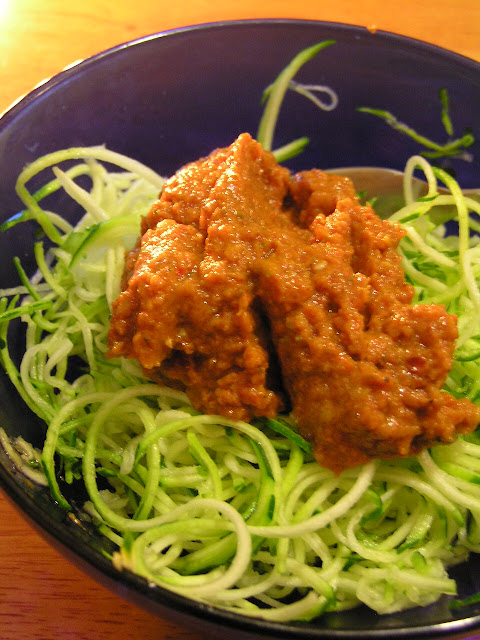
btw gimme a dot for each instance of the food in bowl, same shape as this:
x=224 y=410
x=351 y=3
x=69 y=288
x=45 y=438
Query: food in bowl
x=233 y=513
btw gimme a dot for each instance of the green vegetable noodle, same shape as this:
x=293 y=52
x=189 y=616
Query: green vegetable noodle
x=236 y=515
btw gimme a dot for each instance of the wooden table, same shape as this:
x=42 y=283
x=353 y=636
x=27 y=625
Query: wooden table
x=42 y=596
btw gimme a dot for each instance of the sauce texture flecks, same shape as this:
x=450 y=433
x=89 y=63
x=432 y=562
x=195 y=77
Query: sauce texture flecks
x=258 y=291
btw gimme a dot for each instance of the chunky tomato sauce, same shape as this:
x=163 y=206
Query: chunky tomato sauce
x=257 y=291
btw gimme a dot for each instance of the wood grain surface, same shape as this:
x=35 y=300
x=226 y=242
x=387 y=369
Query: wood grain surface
x=42 y=595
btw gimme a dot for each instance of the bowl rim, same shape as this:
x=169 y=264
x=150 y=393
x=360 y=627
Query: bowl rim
x=50 y=82
x=91 y=560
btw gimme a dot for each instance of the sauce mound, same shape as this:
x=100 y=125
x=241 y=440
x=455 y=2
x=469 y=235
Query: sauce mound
x=258 y=291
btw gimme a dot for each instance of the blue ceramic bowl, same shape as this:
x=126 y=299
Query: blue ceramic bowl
x=172 y=97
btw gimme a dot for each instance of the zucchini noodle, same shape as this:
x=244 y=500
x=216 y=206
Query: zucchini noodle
x=236 y=515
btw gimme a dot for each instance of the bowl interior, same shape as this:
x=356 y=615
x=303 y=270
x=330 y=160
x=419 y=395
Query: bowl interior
x=171 y=98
